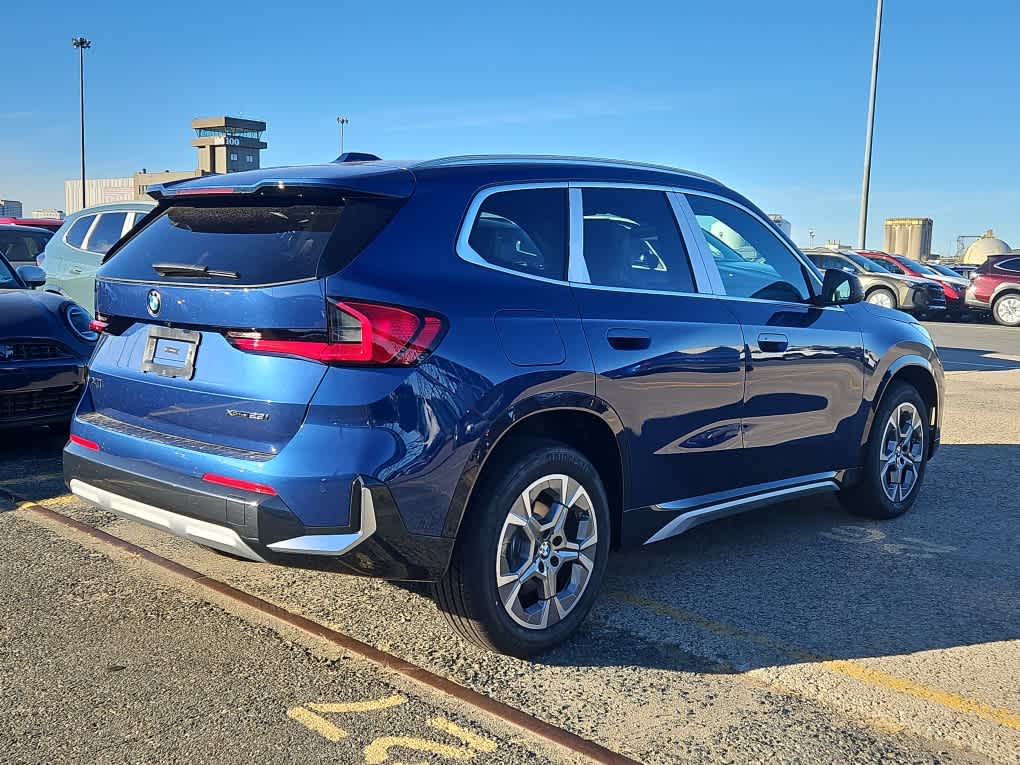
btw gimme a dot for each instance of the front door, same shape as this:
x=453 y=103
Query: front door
x=805 y=373
x=668 y=361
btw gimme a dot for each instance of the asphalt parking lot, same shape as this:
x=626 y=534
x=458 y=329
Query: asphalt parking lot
x=795 y=634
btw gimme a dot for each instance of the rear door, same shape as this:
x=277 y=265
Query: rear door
x=184 y=297
x=667 y=359
x=805 y=373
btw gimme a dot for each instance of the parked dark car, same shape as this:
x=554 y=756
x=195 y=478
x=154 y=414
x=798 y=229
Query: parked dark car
x=485 y=373
x=45 y=344
x=996 y=288
x=23 y=244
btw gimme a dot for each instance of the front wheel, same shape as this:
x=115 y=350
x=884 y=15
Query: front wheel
x=1006 y=310
x=532 y=551
x=883 y=297
x=895 y=457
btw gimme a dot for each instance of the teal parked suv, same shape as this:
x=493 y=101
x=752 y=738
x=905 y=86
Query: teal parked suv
x=73 y=255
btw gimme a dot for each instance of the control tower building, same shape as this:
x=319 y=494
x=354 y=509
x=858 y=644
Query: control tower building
x=228 y=144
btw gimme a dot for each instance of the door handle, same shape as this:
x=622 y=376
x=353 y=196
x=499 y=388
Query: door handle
x=772 y=342
x=75 y=270
x=628 y=339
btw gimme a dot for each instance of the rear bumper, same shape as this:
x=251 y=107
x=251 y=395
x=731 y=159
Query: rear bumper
x=257 y=527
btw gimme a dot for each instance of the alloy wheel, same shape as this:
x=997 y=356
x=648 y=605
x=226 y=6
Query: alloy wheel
x=546 y=551
x=902 y=453
x=1007 y=309
x=883 y=298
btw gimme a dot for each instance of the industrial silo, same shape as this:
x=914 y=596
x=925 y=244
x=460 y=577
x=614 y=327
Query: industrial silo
x=908 y=236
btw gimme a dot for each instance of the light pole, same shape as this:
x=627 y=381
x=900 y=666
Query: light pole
x=862 y=232
x=341 y=121
x=82 y=44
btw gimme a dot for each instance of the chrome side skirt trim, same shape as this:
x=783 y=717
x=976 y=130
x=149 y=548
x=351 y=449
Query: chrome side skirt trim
x=203 y=532
x=333 y=544
x=692 y=518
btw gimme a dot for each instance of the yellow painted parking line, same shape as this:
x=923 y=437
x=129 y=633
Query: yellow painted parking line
x=317 y=724
x=31 y=478
x=28 y=504
x=359 y=706
x=379 y=750
x=846 y=667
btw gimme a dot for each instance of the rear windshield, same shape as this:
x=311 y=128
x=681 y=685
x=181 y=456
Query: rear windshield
x=247 y=244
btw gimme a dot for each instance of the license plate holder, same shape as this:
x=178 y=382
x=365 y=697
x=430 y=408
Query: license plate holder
x=171 y=352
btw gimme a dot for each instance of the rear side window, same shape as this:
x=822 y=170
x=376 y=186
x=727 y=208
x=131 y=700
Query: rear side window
x=251 y=243
x=106 y=233
x=890 y=265
x=76 y=234
x=631 y=240
x=1011 y=265
x=524 y=230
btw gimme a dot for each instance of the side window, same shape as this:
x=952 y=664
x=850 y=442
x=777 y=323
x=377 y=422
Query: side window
x=106 y=232
x=76 y=234
x=631 y=240
x=524 y=230
x=1012 y=265
x=752 y=260
x=892 y=265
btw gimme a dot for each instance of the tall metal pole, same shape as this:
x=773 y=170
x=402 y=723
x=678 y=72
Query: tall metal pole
x=81 y=44
x=862 y=233
x=341 y=121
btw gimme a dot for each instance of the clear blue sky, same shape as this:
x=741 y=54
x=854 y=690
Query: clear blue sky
x=769 y=97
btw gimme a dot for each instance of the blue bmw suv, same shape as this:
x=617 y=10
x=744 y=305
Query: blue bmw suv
x=484 y=373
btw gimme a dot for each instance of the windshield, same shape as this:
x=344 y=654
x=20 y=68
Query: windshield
x=868 y=265
x=945 y=270
x=919 y=267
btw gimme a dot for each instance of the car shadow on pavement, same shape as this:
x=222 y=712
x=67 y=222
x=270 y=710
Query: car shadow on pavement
x=974 y=360
x=809 y=581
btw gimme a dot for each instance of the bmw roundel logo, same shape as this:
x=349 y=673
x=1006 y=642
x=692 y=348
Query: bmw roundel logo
x=153 y=302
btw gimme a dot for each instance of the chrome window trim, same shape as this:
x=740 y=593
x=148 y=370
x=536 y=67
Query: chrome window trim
x=577 y=266
x=706 y=274
x=768 y=224
x=467 y=253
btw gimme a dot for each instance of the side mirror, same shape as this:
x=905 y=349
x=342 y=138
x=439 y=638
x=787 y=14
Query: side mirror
x=33 y=276
x=840 y=288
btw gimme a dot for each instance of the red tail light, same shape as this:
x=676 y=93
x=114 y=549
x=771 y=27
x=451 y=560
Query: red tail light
x=237 y=483
x=87 y=443
x=98 y=325
x=359 y=333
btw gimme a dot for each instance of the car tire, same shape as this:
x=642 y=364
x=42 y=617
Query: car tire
x=882 y=296
x=892 y=460
x=1006 y=310
x=501 y=538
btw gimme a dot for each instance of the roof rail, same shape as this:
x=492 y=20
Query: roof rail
x=497 y=159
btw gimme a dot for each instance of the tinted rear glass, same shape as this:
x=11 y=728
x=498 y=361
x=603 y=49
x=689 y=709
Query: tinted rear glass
x=263 y=243
x=22 y=246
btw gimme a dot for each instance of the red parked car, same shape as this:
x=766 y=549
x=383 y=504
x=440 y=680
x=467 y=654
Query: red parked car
x=50 y=224
x=955 y=287
x=995 y=287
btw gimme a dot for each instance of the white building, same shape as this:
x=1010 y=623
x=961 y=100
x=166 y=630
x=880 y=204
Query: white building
x=98 y=191
x=783 y=223
x=10 y=208
x=49 y=212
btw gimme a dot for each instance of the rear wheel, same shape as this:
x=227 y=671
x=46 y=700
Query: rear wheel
x=883 y=297
x=895 y=458
x=531 y=553
x=1006 y=310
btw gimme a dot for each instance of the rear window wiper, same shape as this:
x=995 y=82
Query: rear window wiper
x=185 y=269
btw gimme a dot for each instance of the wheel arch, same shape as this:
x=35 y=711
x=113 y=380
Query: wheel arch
x=583 y=422
x=918 y=372
x=897 y=298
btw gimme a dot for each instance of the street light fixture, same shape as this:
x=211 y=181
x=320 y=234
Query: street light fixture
x=82 y=44
x=862 y=232
x=341 y=121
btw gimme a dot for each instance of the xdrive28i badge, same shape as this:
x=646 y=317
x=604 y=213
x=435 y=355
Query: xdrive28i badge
x=153 y=302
